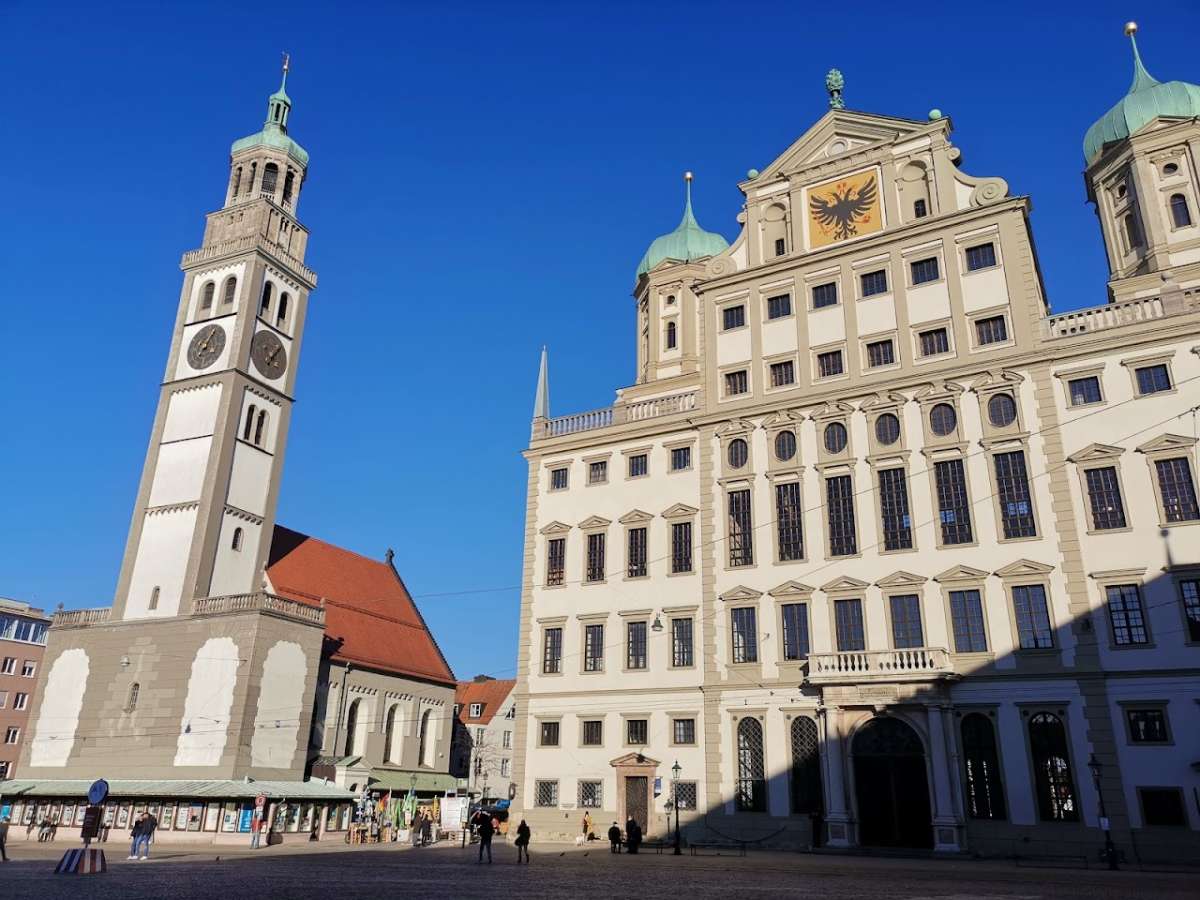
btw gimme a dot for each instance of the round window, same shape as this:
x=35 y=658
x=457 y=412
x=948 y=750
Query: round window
x=785 y=445
x=671 y=300
x=1122 y=190
x=887 y=429
x=738 y=453
x=942 y=419
x=1170 y=169
x=835 y=437
x=1002 y=410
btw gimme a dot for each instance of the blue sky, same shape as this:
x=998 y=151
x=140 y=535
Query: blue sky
x=484 y=179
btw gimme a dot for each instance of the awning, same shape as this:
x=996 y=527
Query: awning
x=313 y=789
x=400 y=780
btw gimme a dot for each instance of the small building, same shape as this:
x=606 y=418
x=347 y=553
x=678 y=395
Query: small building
x=485 y=717
x=22 y=641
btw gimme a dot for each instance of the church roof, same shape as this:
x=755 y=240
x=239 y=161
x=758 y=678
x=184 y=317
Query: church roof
x=687 y=242
x=491 y=692
x=1146 y=100
x=370 y=618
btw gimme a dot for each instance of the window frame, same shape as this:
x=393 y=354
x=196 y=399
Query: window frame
x=556 y=577
x=745 y=547
x=890 y=342
x=675 y=722
x=889 y=609
x=780 y=365
x=862 y=283
x=538 y=785
x=828 y=353
x=1137 y=364
x=803 y=618
x=593 y=656
x=824 y=288
x=953 y=586
x=1010 y=589
x=556 y=468
x=794 y=525
x=848 y=501
x=782 y=315
x=733 y=310
x=1096 y=462
x=921 y=331
x=597 y=470
x=988 y=316
x=627 y=721
x=1129 y=707
x=677 y=557
x=1168 y=788
x=691 y=641
x=748 y=653
x=968 y=268
x=546 y=727
x=583 y=732
x=1191 y=627
x=999 y=499
x=595 y=555
x=939 y=274
x=1118 y=582
x=841 y=601
x=940 y=529
x=882 y=504
x=547 y=630
x=633 y=643
x=731 y=379
x=1187 y=483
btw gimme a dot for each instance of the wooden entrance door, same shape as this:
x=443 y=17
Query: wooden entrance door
x=637 y=794
x=890 y=786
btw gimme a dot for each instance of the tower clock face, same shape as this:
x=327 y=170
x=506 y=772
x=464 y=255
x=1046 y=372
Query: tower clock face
x=206 y=346
x=268 y=354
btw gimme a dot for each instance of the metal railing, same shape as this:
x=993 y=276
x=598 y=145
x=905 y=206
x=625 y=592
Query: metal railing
x=637 y=411
x=914 y=664
x=259 y=601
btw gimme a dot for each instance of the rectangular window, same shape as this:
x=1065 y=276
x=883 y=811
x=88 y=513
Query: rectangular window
x=3 y=699
x=830 y=364
x=966 y=616
x=795 y=630
x=637 y=553
x=635 y=645
x=736 y=383
x=556 y=560
x=848 y=623
x=681 y=458
x=741 y=534
x=598 y=472
x=839 y=508
x=475 y=711
x=28 y=669
x=545 y=793
x=825 y=295
x=880 y=353
x=589 y=794
x=924 y=270
x=685 y=731
x=639 y=465
x=1147 y=726
x=1189 y=593
x=1163 y=806
x=1104 y=498
x=595 y=556
x=992 y=330
x=681 y=547
x=558 y=479
x=874 y=283
x=1033 y=617
x=552 y=651
x=733 y=317
x=745 y=634
x=934 y=341
x=780 y=246
x=593 y=648
x=778 y=307
x=1178 y=491
x=9 y=666
x=1084 y=390
x=1012 y=489
x=505 y=767
x=1153 y=379
x=783 y=373
x=788 y=521
x=685 y=794
x=636 y=731
x=681 y=643
x=981 y=256
x=506 y=743
x=593 y=732
x=906 y=621
x=1126 y=615
x=13 y=735
x=548 y=736
x=954 y=510
x=893 y=509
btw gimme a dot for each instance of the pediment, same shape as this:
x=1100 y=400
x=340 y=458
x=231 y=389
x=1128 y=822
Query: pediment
x=883 y=400
x=844 y=583
x=741 y=592
x=735 y=426
x=1023 y=567
x=900 y=579
x=1167 y=442
x=990 y=381
x=832 y=409
x=785 y=418
x=960 y=573
x=634 y=759
x=679 y=511
x=634 y=516
x=1095 y=452
x=939 y=390
x=791 y=589
x=595 y=522
x=556 y=528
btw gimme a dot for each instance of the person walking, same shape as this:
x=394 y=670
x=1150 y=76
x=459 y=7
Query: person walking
x=135 y=837
x=486 y=830
x=633 y=835
x=3 y=839
x=587 y=825
x=522 y=842
x=149 y=824
x=614 y=838
x=427 y=830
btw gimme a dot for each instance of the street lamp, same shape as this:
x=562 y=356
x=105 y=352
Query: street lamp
x=1110 y=852
x=675 y=770
x=658 y=625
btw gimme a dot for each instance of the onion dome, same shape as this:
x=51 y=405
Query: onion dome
x=687 y=242
x=1147 y=99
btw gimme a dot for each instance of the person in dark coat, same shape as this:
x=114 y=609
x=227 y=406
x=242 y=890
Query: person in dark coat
x=614 y=839
x=4 y=838
x=427 y=830
x=633 y=836
x=522 y=841
x=485 y=838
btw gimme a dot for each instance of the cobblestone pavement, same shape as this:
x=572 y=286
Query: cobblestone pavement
x=561 y=872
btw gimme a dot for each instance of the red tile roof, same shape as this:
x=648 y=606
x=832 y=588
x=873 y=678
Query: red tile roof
x=490 y=693
x=370 y=618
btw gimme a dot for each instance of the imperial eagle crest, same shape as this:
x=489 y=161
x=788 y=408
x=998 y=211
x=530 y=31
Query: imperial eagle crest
x=841 y=209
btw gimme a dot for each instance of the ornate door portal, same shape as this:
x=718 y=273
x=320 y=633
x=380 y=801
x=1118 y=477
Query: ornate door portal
x=891 y=786
x=637 y=794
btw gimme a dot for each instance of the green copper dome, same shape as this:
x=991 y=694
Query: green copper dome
x=274 y=131
x=687 y=242
x=1147 y=100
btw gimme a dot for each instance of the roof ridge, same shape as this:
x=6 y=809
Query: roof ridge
x=363 y=556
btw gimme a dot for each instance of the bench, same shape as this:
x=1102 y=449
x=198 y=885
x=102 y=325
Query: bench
x=657 y=846
x=718 y=848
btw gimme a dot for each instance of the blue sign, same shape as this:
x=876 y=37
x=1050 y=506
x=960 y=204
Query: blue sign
x=503 y=804
x=246 y=816
x=98 y=792
x=5 y=811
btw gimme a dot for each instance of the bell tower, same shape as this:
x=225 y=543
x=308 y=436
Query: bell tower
x=205 y=509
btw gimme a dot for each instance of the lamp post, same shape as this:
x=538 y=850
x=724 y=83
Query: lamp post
x=1110 y=852
x=675 y=770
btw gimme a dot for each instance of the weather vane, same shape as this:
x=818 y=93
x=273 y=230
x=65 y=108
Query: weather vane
x=287 y=62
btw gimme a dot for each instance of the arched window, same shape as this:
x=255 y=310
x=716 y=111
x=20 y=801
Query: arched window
x=154 y=598
x=289 y=182
x=751 y=783
x=985 y=792
x=206 y=296
x=1180 y=213
x=671 y=336
x=283 y=305
x=425 y=744
x=264 y=305
x=352 y=728
x=249 y=422
x=253 y=174
x=237 y=181
x=389 y=725
x=806 y=766
x=270 y=176
x=260 y=428
x=134 y=690
x=1052 y=769
x=1132 y=235
x=237 y=539
x=230 y=290
x=920 y=209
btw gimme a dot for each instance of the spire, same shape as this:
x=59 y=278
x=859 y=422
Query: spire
x=287 y=64
x=541 y=402
x=689 y=218
x=687 y=242
x=279 y=104
x=834 y=82
x=1141 y=78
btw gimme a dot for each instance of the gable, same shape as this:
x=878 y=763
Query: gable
x=960 y=573
x=1022 y=568
x=1167 y=442
x=900 y=579
x=1095 y=452
x=679 y=511
x=844 y=583
x=741 y=593
x=635 y=516
x=791 y=589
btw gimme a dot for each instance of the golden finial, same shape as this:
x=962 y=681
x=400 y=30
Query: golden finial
x=287 y=62
x=1130 y=29
x=687 y=176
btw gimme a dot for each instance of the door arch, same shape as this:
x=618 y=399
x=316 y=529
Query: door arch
x=891 y=785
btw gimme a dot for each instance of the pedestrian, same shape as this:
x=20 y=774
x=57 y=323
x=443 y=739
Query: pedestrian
x=485 y=839
x=633 y=835
x=522 y=842
x=148 y=827
x=256 y=825
x=44 y=830
x=135 y=836
x=614 y=839
x=587 y=824
x=427 y=830
x=3 y=838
